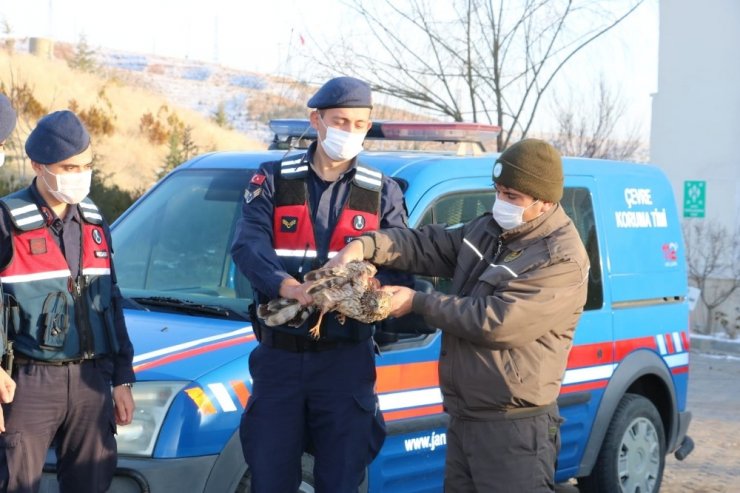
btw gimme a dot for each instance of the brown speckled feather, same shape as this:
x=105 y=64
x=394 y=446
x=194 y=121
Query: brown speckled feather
x=349 y=290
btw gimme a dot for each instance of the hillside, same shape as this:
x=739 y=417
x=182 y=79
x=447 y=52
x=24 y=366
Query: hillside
x=122 y=89
x=133 y=103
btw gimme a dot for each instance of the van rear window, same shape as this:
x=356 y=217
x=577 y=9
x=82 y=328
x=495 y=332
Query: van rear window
x=578 y=205
x=462 y=207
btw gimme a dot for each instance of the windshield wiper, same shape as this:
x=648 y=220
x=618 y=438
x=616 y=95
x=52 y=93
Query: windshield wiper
x=184 y=305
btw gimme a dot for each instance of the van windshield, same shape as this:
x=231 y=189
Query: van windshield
x=172 y=249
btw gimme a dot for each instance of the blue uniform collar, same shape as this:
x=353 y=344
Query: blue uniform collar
x=347 y=175
x=73 y=213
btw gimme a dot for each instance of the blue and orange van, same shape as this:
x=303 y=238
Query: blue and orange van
x=624 y=392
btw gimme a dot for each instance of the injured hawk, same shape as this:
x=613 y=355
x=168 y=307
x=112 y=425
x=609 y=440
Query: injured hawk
x=350 y=290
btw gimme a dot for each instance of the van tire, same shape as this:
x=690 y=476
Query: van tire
x=307 y=483
x=632 y=456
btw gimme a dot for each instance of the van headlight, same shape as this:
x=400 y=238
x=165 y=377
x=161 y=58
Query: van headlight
x=152 y=400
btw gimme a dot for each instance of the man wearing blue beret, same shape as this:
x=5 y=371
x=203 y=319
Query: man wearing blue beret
x=314 y=395
x=67 y=342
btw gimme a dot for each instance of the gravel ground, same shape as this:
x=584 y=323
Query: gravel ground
x=714 y=400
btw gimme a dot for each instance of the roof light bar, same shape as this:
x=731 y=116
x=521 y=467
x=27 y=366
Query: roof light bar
x=457 y=132
x=439 y=132
x=292 y=128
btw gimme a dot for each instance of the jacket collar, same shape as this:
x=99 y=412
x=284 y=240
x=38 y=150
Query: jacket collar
x=534 y=230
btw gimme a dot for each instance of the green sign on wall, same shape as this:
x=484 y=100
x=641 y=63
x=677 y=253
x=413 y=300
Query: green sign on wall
x=694 y=198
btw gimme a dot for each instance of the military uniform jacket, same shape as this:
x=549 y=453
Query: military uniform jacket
x=51 y=314
x=269 y=245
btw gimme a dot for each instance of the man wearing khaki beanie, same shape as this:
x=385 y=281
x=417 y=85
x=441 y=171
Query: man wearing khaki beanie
x=519 y=286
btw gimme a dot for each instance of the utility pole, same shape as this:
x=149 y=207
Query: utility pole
x=215 y=38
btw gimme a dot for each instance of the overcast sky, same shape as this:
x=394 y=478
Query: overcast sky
x=248 y=34
x=269 y=36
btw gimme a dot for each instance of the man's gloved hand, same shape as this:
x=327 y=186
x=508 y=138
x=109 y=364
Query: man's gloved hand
x=354 y=250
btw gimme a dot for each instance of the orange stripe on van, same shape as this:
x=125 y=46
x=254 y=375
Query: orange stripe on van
x=595 y=354
x=241 y=391
x=201 y=400
x=624 y=347
x=416 y=412
x=669 y=343
x=685 y=340
x=395 y=378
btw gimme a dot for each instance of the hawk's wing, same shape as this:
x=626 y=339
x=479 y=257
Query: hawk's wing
x=282 y=311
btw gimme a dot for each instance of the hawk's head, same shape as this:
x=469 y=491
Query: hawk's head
x=376 y=305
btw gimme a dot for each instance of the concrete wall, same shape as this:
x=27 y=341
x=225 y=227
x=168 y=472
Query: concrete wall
x=695 y=130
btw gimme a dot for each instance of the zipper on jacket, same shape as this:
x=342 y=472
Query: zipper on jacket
x=497 y=252
x=83 y=323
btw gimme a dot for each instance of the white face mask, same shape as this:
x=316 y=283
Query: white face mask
x=71 y=187
x=2 y=158
x=508 y=215
x=340 y=145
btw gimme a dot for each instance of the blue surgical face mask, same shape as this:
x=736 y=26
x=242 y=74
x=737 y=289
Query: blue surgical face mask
x=340 y=145
x=70 y=188
x=508 y=215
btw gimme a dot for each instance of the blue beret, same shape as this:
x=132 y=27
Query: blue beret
x=342 y=92
x=7 y=117
x=57 y=137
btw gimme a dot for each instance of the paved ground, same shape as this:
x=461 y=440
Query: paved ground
x=714 y=400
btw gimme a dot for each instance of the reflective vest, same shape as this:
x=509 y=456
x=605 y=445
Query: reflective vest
x=293 y=232
x=52 y=316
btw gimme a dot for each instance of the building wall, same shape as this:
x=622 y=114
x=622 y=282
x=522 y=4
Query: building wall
x=695 y=128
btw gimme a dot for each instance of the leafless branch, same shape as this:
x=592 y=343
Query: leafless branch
x=710 y=248
x=478 y=60
x=591 y=131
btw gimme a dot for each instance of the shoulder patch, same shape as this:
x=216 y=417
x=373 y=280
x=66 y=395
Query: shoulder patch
x=250 y=195
x=24 y=213
x=512 y=256
x=288 y=224
x=257 y=179
x=90 y=212
x=294 y=167
x=368 y=178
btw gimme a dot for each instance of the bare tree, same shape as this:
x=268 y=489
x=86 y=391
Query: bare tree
x=710 y=249
x=475 y=60
x=591 y=131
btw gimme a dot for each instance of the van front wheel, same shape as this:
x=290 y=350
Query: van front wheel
x=632 y=457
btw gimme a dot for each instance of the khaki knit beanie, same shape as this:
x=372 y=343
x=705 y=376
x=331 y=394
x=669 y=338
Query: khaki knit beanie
x=531 y=166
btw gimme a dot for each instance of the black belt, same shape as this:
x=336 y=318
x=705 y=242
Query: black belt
x=297 y=344
x=20 y=360
x=530 y=412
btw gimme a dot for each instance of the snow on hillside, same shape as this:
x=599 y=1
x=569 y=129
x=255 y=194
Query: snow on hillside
x=196 y=85
x=200 y=86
